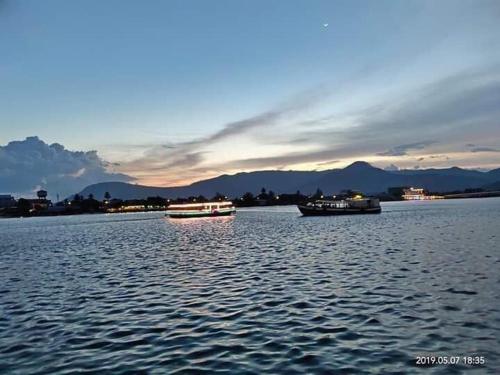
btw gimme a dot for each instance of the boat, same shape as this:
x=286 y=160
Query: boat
x=207 y=209
x=349 y=206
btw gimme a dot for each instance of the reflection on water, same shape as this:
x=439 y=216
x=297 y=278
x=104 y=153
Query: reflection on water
x=266 y=291
x=197 y=221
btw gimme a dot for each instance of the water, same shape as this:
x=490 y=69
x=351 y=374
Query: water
x=266 y=291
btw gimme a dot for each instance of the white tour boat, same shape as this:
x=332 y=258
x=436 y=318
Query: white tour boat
x=206 y=209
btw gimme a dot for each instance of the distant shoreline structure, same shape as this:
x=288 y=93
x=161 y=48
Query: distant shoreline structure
x=429 y=184
x=359 y=176
x=418 y=194
x=10 y=208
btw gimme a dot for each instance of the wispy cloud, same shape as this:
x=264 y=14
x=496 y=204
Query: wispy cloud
x=299 y=103
x=456 y=108
x=185 y=158
x=484 y=149
x=438 y=117
x=329 y=162
x=402 y=150
x=448 y=110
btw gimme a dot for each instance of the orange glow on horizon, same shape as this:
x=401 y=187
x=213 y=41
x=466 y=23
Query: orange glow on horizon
x=187 y=176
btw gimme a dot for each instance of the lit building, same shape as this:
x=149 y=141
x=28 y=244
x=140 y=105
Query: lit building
x=413 y=194
x=418 y=194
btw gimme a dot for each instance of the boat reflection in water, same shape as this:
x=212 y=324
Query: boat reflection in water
x=349 y=206
x=207 y=209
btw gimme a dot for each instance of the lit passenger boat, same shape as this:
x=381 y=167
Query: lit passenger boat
x=207 y=209
x=349 y=206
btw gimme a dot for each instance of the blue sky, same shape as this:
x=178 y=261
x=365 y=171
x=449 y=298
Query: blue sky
x=170 y=92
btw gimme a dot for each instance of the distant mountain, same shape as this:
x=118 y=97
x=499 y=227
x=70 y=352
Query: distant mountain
x=495 y=186
x=494 y=174
x=357 y=176
x=453 y=171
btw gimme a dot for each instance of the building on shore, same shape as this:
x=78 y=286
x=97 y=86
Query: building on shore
x=41 y=194
x=41 y=203
x=418 y=194
x=413 y=194
x=7 y=201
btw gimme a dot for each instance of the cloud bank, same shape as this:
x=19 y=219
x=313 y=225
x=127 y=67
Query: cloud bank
x=176 y=163
x=28 y=165
x=484 y=149
x=439 y=117
x=402 y=150
x=450 y=121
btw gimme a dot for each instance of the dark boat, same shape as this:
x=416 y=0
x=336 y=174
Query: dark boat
x=350 y=206
x=209 y=209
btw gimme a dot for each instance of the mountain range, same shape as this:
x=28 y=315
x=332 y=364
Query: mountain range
x=359 y=176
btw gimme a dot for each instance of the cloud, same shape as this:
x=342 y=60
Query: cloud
x=484 y=149
x=32 y=164
x=184 y=158
x=451 y=106
x=446 y=113
x=298 y=103
x=402 y=150
x=329 y=162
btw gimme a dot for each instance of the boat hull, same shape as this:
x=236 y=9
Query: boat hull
x=318 y=211
x=183 y=215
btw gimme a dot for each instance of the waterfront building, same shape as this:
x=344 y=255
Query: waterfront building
x=41 y=194
x=7 y=201
x=418 y=194
x=39 y=204
x=413 y=194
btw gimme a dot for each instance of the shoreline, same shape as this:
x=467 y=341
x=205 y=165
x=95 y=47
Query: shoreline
x=54 y=214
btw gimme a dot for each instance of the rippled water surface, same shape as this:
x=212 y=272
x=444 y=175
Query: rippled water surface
x=266 y=291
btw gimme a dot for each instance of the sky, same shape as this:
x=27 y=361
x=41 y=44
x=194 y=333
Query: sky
x=169 y=92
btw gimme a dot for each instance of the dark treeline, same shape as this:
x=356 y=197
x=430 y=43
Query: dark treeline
x=269 y=198
x=81 y=205
x=85 y=205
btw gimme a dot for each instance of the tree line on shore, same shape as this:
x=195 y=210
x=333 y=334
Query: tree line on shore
x=80 y=205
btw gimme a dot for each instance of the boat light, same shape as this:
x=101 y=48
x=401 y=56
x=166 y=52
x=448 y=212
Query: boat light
x=187 y=205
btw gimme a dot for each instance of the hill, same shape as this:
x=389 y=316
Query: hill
x=357 y=176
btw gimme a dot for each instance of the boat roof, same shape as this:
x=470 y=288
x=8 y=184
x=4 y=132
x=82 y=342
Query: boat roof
x=201 y=204
x=340 y=200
